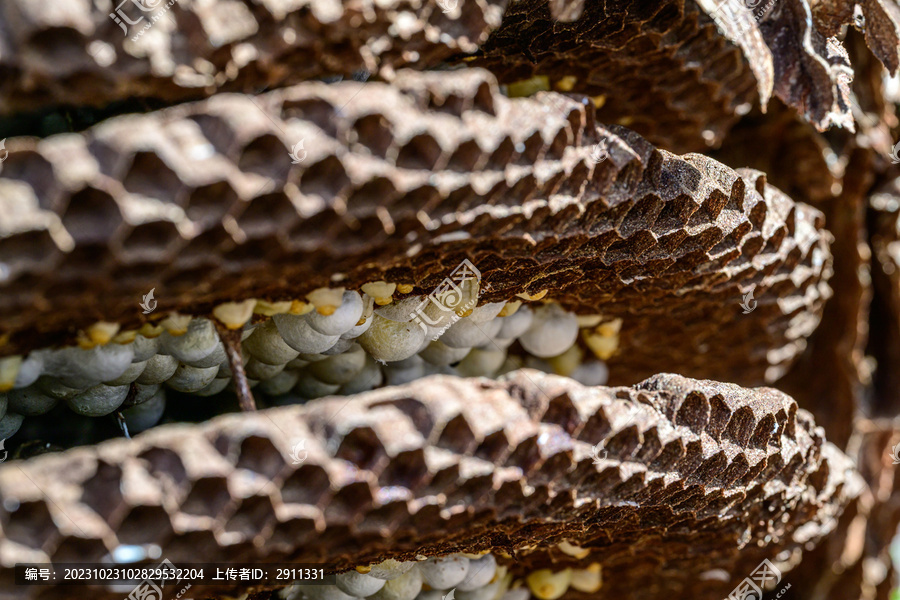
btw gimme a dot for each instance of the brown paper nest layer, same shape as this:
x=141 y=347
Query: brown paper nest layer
x=699 y=476
x=203 y=203
x=680 y=72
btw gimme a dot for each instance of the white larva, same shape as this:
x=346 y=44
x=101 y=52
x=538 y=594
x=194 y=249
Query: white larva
x=260 y=370
x=267 y=345
x=481 y=363
x=358 y=584
x=439 y=353
x=401 y=376
x=341 y=320
x=320 y=592
x=369 y=378
x=485 y=592
x=405 y=587
x=520 y=593
x=144 y=393
x=30 y=369
x=198 y=342
x=592 y=372
x=390 y=569
x=339 y=347
x=481 y=571
x=145 y=415
x=516 y=324
x=214 y=387
x=158 y=369
x=402 y=311
x=309 y=387
x=76 y=367
x=486 y=312
x=280 y=384
x=10 y=424
x=99 y=400
x=341 y=368
x=191 y=379
x=298 y=334
x=213 y=359
x=552 y=332
x=30 y=401
x=445 y=572
x=53 y=387
x=389 y=341
x=144 y=348
x=466 y=333
x=133 y=371
x=357 y=330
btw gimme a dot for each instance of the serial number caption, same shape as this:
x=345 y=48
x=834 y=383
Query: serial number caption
x=210 y=574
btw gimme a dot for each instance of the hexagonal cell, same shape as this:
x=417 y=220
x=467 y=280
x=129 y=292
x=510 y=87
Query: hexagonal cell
x=465 y=157
x=457 y=436
x=259 y=454
x=149 y=176
x=58 y=49
x=145 y=525
x=165 y=465
x=421 y=152
x=309 y=484
x=257 y=157
x=207 y=498
x=374 y=132
x=257 y=216
x=326 y=179
x=362 y=447
x=79 y=550
x=102 y=492
x=217 y=130
x=289 y=535
x=187 y=547
x=314 y=110
x=348 y=502
x=91 y=217
x=150 y=242
x=407 y=469
x=252 y=516
x=26 y=251
x=33 y=169
x=31 y=524
x=207 y=204
x=364 y=201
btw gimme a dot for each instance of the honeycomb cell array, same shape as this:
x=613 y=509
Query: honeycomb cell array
x=660 y=482
x=401 y=183
x=93 y=53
